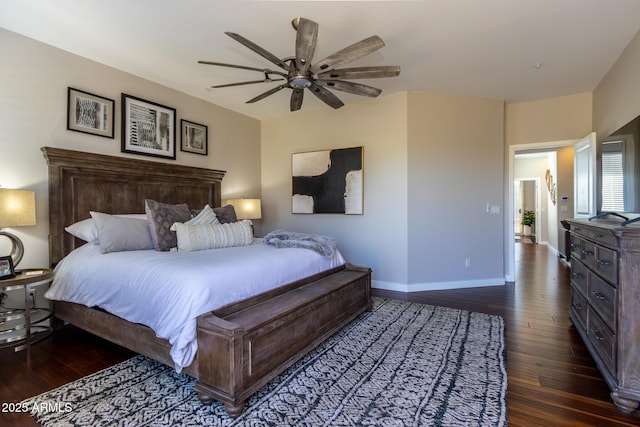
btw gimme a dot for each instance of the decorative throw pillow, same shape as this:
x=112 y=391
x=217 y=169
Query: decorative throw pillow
x=86 y=229
x=226 y=214
x=206 y=216
x=118 y=233
x=214 y=236
x=161 y=217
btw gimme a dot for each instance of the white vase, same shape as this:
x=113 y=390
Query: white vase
x=527 y=230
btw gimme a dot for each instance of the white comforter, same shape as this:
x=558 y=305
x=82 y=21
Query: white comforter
x=167 y=291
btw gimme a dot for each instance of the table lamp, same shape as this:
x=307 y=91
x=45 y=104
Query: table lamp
x=246 y=208
x=17 y=209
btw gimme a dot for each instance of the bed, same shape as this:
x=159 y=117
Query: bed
x=242 y=345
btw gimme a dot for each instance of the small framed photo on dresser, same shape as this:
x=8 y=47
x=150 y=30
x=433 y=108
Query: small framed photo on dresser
x=89 y=113
x=194 y=137
x=6 y=267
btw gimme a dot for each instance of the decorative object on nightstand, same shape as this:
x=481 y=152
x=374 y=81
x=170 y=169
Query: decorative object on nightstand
x=246 y=208
x=17 y=209
x=23 y=309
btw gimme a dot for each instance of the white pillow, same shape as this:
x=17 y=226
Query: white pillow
x=206 y=216
x=86 y=229
x=118 y=233
x=213 y=236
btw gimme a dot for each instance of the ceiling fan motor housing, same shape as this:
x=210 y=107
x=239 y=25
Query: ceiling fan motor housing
x=299 y=81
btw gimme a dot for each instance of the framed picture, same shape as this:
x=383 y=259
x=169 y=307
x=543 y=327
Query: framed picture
x=328 y=181
x=148 y=128
x=89 y=113
x=6 y=267
x=193 y=137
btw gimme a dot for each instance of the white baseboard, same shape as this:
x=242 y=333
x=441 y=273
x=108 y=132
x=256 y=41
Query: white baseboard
x=436 y=286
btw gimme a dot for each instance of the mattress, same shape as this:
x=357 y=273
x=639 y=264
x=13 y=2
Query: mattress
x=167 y=291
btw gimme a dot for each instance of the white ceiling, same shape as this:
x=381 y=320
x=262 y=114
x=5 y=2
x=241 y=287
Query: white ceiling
x=481 y=48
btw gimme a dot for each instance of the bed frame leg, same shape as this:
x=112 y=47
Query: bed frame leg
x=205 y=398
x=234 y=411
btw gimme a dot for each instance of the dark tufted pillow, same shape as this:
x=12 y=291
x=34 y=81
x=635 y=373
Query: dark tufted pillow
x=161 y=217
x=226 y=214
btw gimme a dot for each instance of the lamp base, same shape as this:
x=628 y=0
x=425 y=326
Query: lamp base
x=17 y=248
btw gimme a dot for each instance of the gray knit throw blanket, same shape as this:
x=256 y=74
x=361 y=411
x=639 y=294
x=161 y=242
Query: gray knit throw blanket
x=325 y=246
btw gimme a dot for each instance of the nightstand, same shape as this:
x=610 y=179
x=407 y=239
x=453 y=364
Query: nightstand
x=23 y=307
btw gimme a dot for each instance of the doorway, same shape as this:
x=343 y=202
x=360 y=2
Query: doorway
x=583 y=193
x=526 y=206
x=542 y=237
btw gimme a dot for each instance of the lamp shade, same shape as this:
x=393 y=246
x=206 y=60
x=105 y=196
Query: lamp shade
x=246 y=208
x=17 y=208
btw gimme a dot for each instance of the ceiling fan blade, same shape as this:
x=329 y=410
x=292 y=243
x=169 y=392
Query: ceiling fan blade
x=361 y=73
x=306 y=38
x=296 y=99
x=267 y=93
x=355 y=88
x=260 y=51
x=247 y=83
x=243 y=67
x=348 y=54
x=325 y=96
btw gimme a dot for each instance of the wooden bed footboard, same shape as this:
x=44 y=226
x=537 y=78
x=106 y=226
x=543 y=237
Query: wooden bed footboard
x=243 y=351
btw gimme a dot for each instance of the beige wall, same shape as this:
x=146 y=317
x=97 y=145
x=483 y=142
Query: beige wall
x=455 y=168
x=33 y=107
x=616 y=100
x=554 y=119
x=432 y=163
x=377 y=239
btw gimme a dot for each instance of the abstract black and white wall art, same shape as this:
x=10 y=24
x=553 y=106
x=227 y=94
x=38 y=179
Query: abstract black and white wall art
x=328 y=181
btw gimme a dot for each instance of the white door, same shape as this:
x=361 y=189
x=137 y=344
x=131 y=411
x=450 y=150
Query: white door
x=517 y=213
x=584 y=162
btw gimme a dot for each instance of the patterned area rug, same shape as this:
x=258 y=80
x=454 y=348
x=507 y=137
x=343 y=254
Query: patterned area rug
x=402 y=364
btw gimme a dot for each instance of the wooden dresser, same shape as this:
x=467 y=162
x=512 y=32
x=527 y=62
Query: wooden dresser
x=605 y=301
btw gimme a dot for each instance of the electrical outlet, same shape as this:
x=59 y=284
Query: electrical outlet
x=467 y=262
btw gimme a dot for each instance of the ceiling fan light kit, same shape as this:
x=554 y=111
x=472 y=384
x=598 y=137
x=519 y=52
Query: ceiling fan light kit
x=300 y=73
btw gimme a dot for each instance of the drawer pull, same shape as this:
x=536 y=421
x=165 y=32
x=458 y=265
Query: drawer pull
x=596 y=334
x=602 y=261
x=577 y=305
x=597 y=295
x=577 y=275
x=598 y=236
x=586 y=252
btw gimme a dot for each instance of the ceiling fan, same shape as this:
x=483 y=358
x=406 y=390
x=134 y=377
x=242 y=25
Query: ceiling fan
x=299 y=72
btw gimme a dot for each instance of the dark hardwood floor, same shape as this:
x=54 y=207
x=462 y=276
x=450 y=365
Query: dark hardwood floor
x=552 y=379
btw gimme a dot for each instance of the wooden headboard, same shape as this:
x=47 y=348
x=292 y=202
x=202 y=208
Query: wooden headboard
x=81 y=182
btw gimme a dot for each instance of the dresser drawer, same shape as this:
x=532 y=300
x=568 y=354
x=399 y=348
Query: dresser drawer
x=579 y=274
x=576 y=246
x=588 y=253
x=603 y=340
x=598 y=235
x=579 y=306
x=606 y=264
x=601 y=237
x=602 y=297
